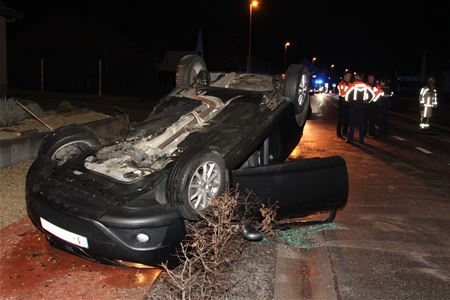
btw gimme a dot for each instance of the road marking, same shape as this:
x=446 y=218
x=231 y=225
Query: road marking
x=399 y=138
x=424 y=150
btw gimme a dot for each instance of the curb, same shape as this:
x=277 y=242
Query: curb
x=288 y=274
x=304 y=276
x=22 y=148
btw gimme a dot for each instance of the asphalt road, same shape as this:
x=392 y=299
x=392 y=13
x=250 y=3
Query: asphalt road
x=397 y=239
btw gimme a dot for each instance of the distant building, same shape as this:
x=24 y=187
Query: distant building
x=78 y=56
x=7 y=14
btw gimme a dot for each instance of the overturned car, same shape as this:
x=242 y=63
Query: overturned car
x=127 y=202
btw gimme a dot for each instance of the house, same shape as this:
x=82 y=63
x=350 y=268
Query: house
x=7 y=14
x=79 y=56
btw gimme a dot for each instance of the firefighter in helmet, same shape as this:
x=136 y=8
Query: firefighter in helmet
x=359 y=95
x=428 y=101
x=372 y=107
x=383 y=105
x=343 y=118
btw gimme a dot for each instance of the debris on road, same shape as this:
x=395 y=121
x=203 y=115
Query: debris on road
x=304 y=236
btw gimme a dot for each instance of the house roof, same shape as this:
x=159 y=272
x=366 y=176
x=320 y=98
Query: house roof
x=8 y=12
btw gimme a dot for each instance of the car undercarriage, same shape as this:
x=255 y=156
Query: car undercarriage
x=129 y=200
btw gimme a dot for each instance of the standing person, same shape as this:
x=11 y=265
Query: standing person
x=428 y=101
x=372 y=107
x=359 y=94
x=343 y=108
x=383 y=106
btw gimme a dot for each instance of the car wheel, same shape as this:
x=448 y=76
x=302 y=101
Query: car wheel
x=187 y=70
x=67 y=142
x=296 y=88
x=195 y=179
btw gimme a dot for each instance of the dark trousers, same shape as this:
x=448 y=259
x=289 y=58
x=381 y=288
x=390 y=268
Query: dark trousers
x=358 y=119
x=382 y=120
x=372 y=118
x=343 y=117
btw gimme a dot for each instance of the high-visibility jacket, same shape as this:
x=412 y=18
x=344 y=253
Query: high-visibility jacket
x=428 y=100
x=428 y=97
x=359 y=91
x=378 y=91
x=343 y=87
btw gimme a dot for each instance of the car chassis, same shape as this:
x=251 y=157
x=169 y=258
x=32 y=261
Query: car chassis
x=127 y=202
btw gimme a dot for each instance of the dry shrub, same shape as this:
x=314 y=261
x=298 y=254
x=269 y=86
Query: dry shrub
x=11 y=113
x=268 y=214
x=65 y=107
x=212 y=245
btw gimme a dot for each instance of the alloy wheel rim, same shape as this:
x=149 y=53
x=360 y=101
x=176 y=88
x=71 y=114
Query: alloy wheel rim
x=204 y=185
x=302 y=90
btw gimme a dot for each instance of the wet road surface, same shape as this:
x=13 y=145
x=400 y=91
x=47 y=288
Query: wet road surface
x=397 y=241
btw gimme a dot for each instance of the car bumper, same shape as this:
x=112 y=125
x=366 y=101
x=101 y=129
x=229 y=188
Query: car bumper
x=104 y=243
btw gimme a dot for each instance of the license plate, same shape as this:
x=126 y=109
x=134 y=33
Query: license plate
x=64 y=234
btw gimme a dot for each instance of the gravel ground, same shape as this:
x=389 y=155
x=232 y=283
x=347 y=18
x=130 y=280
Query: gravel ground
x=254 y=273
x=12 y=193
x=252 y=276
x=53 y=119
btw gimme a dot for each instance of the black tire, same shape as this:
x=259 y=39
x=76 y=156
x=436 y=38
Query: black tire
x=38 y=172
x=182 y=174
x=296 y=88
x=187 y=70
x=305 y=115
x=78 y=137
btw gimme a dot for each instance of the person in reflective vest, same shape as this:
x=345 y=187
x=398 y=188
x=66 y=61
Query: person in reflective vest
x=428 y=101
x=343 y=107
x=358 y=95
x=383 y=101
x=372 y=107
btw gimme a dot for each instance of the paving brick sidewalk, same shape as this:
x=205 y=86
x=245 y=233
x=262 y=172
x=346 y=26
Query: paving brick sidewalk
x=397 y=242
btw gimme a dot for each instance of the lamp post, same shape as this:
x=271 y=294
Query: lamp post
x=331 y=69
x=314 y=59
x=286 y=45
x=330 y=77
x=253 y=4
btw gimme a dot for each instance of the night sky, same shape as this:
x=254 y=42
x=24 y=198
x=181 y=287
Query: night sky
x=374 y=36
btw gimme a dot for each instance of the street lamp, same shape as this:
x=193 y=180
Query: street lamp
x=331 y=70
x=286 y=45
x=314 y=60
x=252 y=4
